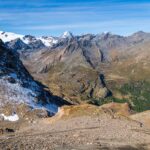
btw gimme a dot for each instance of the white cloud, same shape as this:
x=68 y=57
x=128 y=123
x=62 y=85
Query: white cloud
x=110 y=23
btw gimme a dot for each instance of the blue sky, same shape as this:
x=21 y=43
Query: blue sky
x=53 y=17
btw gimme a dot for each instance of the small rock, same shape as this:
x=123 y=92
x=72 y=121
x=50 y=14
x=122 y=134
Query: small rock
x=1 y=131
x=8 y=130
x=1 y=118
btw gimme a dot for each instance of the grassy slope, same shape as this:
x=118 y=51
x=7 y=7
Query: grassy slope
x=129 y=79
x=71 y=83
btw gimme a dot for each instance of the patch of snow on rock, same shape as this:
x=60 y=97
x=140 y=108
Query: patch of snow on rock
x=12 y=118
x=17 y=94
x=48 y=41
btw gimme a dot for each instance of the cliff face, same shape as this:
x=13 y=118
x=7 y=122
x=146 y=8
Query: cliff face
x=17 y=86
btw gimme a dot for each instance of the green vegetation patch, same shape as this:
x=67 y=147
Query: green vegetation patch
x=138 y=96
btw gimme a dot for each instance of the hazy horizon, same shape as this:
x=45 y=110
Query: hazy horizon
x=80 y=34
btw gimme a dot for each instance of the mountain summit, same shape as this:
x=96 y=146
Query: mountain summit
x=67 y=34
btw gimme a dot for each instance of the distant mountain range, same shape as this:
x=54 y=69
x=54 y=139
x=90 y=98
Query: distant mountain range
x=107 y=40
x=84 y=68
x=24 y=40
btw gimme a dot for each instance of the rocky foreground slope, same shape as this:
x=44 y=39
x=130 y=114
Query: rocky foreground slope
x=83 y=127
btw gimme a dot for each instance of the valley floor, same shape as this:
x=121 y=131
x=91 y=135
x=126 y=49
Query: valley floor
x=94 y=132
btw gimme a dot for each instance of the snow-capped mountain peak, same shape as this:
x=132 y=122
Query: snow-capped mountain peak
x=48 y=41
x=28 y=39
x=67 y=34
x=9 y=36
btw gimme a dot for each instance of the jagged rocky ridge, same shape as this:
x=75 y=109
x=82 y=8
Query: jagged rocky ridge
x=94 y=49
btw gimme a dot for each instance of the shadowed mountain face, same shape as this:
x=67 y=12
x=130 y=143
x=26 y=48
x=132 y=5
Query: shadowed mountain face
x=73 y=66
x=17 y=86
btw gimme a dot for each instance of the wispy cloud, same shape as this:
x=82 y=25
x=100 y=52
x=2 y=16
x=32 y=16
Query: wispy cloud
x=71 y=26
x=80 y=15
